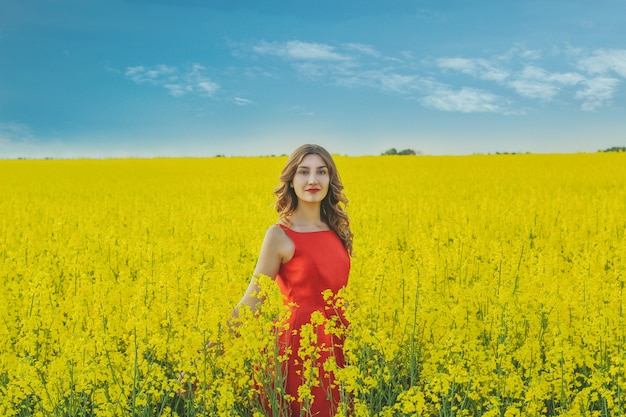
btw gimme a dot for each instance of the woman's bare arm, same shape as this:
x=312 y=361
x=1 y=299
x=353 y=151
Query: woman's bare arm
x=277 y=248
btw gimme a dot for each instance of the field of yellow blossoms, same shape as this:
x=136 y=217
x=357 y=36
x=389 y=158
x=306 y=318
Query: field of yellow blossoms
x=485 y=285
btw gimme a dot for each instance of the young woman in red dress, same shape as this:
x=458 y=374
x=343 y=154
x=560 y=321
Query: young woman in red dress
x=308 y=253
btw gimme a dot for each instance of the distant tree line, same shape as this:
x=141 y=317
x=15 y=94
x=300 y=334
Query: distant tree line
x=394 y=151
x=615 y=149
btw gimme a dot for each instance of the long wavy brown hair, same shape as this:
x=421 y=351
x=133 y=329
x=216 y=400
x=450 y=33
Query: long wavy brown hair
x=333 y=205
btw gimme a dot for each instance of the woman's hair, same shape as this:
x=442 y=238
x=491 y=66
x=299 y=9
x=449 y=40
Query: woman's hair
x=332 y=209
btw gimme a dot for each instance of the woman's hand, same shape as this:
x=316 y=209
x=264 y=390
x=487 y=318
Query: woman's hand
x=219 y=349
x=187 y=385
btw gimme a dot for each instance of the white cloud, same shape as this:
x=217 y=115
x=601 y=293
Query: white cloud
x=479 y=68
x=207 y=87
x=398 y=83
x=383 y=80
x=535 y=82
x=178 y=90
x=465 y=100
x=350 y=65
x=533 y=72
x=156 y=75
x=529 y=54
x=299 y=51
x=598 y=93
x=362 y=48
x=314 y=60
x=242 y=101
x=177 y=83
x=17 y=141
x=464 y=65
x=604 y=61
x=531 y=81
x=523 y=71
x=534 y=89
x=518 y=52
x=14 y=132
x=312 y=69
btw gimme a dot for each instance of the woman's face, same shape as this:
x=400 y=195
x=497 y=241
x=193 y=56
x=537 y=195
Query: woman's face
x=312 y=179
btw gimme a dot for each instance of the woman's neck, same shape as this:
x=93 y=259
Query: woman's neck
x=308 y=216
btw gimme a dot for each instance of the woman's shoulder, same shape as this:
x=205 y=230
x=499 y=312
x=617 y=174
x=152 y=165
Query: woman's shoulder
x=276 y=232
x=276 y=239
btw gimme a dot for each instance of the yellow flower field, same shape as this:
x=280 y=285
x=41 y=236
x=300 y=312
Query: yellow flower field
x=485 y=285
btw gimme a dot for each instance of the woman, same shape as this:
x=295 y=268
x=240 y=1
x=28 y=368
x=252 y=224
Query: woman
x=308 y=253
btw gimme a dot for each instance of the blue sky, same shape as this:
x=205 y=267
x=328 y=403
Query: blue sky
x=143 y=78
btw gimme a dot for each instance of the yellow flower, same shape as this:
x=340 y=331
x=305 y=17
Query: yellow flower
x=484 y=282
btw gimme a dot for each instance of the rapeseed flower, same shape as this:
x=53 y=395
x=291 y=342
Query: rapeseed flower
x=482 y=285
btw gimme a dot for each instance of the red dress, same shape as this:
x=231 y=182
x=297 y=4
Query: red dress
x=320 y=262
